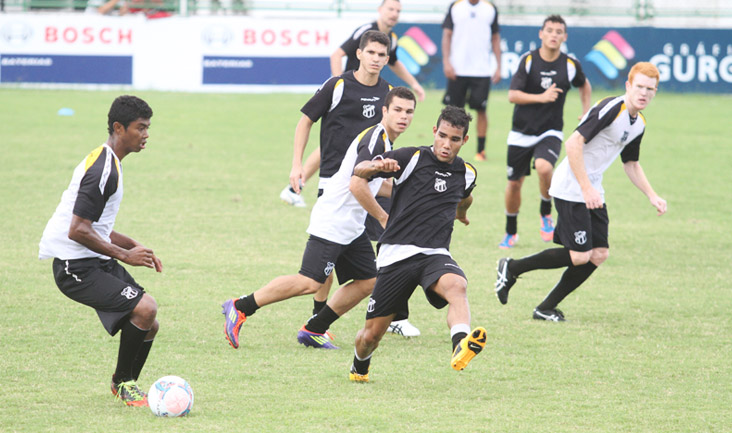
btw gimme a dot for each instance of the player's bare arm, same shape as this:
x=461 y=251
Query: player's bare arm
x=336 y=62
x=496 y=43
x=585 y=92
x=386 y=188
x=462 y=209
x=401 y=71
x=575 y=153
x=520 y=97
x=636 y=175
x=446 y=65
x=302 y=133
x=359 y=187
x=366 y=169
x=81 y=231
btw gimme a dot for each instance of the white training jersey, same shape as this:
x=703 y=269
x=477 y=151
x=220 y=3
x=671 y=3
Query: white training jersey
x=337 y=216
x=95 y=193
x=473 y=27
x=609 y=131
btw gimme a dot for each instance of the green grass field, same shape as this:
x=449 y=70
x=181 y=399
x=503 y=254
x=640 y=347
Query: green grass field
x=647 y=347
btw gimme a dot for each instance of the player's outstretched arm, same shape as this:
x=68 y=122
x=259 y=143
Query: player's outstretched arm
x=366 y=169
x=462 y=209
x=636 y=175
x=401 y=71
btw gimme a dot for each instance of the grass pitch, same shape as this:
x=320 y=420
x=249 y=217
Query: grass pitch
x=646 y=348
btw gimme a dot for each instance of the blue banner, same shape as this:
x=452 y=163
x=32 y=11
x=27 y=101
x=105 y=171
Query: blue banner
x=39 y=68
x=689 y=60
x=265 y=70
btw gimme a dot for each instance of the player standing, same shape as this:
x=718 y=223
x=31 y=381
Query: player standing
x=539 y=89
x=80 y=238
x=612 y=127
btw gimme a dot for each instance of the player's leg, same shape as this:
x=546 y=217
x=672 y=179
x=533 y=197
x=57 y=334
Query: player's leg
x=321 y=295
x=518 y=166
x=478 y=101
x=367 y=340
x=546 y=154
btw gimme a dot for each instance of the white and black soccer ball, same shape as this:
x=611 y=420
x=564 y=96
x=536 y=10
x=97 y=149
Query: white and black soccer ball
x=170 y=396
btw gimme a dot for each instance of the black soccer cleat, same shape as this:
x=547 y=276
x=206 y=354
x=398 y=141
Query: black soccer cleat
x=554 y=315
x=504 y=280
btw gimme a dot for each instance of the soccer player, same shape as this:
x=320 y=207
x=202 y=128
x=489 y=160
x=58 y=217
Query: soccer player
x=432 y=188
x=337 y=239
x=614 y=126
x=470 y=33
x=539 y=89
x=85 y=248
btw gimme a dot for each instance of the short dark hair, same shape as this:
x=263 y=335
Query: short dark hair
x=554 y=18
x=125 y=110
x=374 y=36
x=455 y=116
x=399 y=92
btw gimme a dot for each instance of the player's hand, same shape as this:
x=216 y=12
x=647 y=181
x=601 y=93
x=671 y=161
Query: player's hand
x=496 y=76
x=659 y=204
x=462 y=218
x=419 y=91
x=296 y=179
x=387 y=165
x=140 y=256
x=592 y=197
x=158 y=263
x=552 y=93
x=449 y=71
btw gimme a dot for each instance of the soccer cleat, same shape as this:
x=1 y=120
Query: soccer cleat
x=291 y=197
x=480 y=156
x=554 y=315
x=504 y=280
x=468 y=347
x=312 y=339
x=508 y=241
x=129 y=393
x=547 y=228
x=356 y=377
x=404 y=328
x=233 y=321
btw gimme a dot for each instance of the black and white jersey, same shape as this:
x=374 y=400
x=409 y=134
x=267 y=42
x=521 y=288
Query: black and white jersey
x=608 y=131
x=533 y=122
x=351 y=45
x=337 y=215
x=473 y=27
x=95 y=193
x=347 y=108
x=424 y=203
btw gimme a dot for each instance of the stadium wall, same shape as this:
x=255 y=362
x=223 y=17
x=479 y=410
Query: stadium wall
x=246 y=54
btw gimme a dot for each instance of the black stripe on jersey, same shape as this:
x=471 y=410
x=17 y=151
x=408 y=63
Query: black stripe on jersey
x=631 y=152
x=600 y=117
x=99 y=182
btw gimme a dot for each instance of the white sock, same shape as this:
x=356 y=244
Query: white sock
x=460 y=327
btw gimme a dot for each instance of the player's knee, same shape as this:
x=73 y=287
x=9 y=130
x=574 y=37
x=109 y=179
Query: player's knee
x=514 y=186
x=307 y=285
x=599 y=255
x=365 y=287
x=147 y=308
x=543 y=168
x=580 y=258
x=370 y=338
x=454 y=287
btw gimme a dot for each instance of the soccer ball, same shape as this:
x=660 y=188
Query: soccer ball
x=170 y=396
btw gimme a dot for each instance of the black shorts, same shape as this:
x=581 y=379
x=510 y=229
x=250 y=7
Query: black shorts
x=457 y=92
x=103 y=285
x=579 y=228
x=396 y=283
x=518 y=160
x=355 y=261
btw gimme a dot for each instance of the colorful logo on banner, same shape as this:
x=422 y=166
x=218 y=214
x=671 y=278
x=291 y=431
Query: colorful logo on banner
x=611 y=54
x=414 y=49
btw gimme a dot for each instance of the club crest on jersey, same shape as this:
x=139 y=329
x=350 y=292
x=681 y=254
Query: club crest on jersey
x=546 y=82
x=328 y=268
x=624 y=137
x=369 y=110
x=580 y=237
x=129 y=293
x=440 y=185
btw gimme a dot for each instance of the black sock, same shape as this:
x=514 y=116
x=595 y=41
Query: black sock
x=511 y=223
x=292 y=190
x=548 y=259
x=130 y=342
x=322 y=321
x=247 y=305
x=571 y=279
x=361 y=365
x=545 y=208
x=318 y=305
x=140 y=359
x=481 y=144
x=457 y=338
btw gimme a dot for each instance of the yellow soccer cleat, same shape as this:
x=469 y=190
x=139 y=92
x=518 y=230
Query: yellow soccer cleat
x=468 y=348
x=355 y=377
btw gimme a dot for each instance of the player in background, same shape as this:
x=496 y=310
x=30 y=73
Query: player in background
x=337 y=235
x=432 y=188
x=388 y=17
x=612 y=127
x=539 y=89
x=470 y=33
x=80 y=238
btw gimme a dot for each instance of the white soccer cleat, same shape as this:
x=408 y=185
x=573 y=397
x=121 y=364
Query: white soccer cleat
x=404 y=328
x=292 y=198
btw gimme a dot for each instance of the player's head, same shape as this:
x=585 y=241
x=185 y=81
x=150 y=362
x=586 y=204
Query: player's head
x=451 y=133
x=126 y=109
x=373 y=51
x=641 y=85
x=553 y=32
x=398 y=111
x=389 y=11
